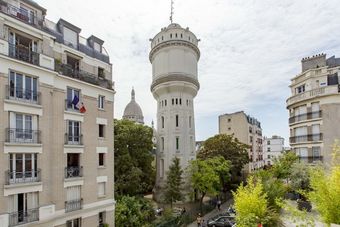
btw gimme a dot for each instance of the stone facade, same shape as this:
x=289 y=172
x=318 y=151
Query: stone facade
x=314 y=107
x=174 y=55
x=273 y=148
x=56 y=159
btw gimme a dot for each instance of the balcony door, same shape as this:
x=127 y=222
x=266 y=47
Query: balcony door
x=73 y=132
x=72 y=94
x=23 y=129
x=23 y=167
x=23 y=208
x=23 y=87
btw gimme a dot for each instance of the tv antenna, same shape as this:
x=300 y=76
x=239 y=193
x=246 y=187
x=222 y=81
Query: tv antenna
x=172 y=10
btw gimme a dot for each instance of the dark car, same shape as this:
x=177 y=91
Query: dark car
x=222 y=221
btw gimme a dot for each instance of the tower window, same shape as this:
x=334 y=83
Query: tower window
x=162 y=103
x=165 y=102
x=177 y=143
x=176 y=120
x=172 y=101
x=176 y=101
x=181 y=35
x=180 y=101
x=176 y=35
x=162 y=143
x=162 y=122
x=170 y=36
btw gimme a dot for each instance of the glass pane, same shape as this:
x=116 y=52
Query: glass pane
x=35 y=164
x=35 y=89
x=11 y=163
x=70 y=131
x=19 y=166
x=28 y=87
x=69 y=97
x=19 y=125
x=19 y=85
x=28 y=127
x=12 y=84
x=76 y=131
x=28 y=165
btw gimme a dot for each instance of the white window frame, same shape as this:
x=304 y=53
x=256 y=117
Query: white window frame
x=101 y=101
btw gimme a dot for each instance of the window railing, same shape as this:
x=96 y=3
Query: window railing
x=73 y=205
x=69 y=71
x=306 y=116
x=18 y=177
x=22 y=217
x=306 y=138
x=311 y=159
x=20 y=14
x=73 y=171
x=24 y=95
x=71 y=139
x=18 y=135
x=23 y=53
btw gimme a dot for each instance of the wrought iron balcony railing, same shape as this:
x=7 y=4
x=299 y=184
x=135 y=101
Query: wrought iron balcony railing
x=19 y=177
x=71 y=139
x=18 y=135
x=24 y=95
x=306 y=138
x=73 y=205
x=22 y=217
x=23 y=53
x=306 y=116
x=73 y=171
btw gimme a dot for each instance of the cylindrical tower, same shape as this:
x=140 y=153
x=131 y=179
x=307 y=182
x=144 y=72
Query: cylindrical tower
x=174 y=55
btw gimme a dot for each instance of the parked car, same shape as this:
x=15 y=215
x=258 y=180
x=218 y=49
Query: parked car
x=222 y=221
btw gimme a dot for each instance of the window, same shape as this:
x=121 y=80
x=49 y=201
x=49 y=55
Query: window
x=177 y=143
x=268 y=142
x=74 y=132
x=101 y=100
x=176 y=101
x=101 y=189
x=229 y=128
x=73 y=98
x=251 y=139
x=23 y=87
x=268 y=149
x=70 y=37
x=316 y=152
x=300 y=89
x=268 y=156
x=101 y=159
x=163 y=145
x=101 y=131
x=74 y=223
x=172 y=101
x=73 y=198
x=101 y=73
x=23 y=128
x=162 y=121
x=180 y=101
x=22 y=167
x=176 y=120
x=101 y=218
x=165 y=102
x=25 y=206
x=97 y=47
x=229 y=120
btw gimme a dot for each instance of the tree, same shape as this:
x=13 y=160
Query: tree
x=251 y=204
x=133 y=211
x=174 y=182
x=299 y=177
x=134 y=173
x=283 y=166
x=325 y=185
x=205 y=175
x=229 y=148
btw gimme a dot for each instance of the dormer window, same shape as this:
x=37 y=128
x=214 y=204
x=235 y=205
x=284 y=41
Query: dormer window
x=97 y=47
x=70 y=37
x=101 y=73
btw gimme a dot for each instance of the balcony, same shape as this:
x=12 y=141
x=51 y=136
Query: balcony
x=17 y=177
x=318 y=92
x=20 y=14
x=73 y=205
x=18 y=135
x=306 y=116
x=68 y=70
x=306 y=138
x=311 y=159
x=22 y=95
x=71 y=139
x=73 y=171
x=23 y=217
x=23 y=53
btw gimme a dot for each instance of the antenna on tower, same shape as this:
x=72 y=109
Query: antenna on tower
x=172 y=10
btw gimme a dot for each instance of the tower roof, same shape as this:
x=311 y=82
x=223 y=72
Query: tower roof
x=133 y=111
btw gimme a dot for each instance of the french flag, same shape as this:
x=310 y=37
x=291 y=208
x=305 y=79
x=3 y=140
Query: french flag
x=78 y=105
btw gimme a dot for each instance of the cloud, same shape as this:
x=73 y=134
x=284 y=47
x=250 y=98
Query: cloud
x=249 y=49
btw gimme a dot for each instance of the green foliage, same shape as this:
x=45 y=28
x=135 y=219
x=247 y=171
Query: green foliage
x=299 y=178
x=206 y=175
x=134 y=173
x=133 y=211
x=173 y=190
x=250 y=204
x=325 y=192
x=283 y=166
x=229 y=148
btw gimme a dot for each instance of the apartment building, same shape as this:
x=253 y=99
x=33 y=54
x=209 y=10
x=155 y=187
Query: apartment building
x=273 y=148
x=314 y=109
x=56 y=122
x=247 y=130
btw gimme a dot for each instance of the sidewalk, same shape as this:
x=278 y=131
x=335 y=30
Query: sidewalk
x=213 y=213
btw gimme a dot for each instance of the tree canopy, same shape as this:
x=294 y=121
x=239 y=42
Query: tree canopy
x=229 y=148
x=134 y=173
x=173 y=187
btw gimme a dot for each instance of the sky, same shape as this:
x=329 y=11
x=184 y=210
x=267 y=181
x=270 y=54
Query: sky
x=250 y=49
